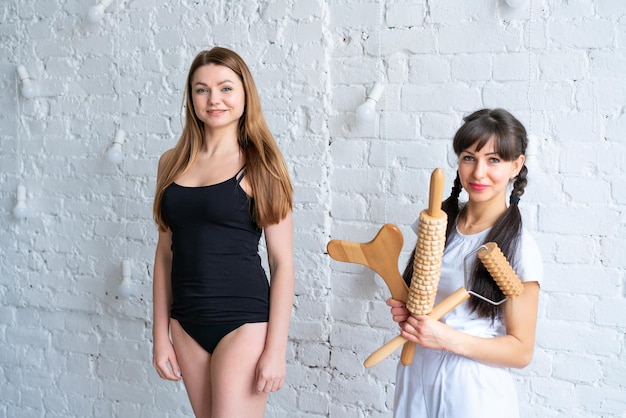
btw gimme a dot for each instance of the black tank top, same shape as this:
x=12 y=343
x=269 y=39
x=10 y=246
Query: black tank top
x=217 y=275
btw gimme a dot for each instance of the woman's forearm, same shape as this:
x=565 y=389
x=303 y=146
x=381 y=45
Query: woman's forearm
x=281 y=302
x=161 y=290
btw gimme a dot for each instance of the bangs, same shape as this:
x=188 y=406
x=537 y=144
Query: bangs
x=480 y=127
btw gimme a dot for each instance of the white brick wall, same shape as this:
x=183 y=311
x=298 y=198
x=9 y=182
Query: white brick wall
x=71 y=347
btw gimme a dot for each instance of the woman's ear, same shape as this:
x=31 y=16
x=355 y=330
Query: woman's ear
x=517 y=165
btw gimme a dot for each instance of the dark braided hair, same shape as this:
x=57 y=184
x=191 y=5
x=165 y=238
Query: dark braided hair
x=510 y=142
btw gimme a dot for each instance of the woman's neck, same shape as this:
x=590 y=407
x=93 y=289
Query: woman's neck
x=220 y=142
x=476 y=218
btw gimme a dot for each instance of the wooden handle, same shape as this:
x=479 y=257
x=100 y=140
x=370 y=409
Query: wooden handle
x=448 y=304
x=380 y=254
x=408 y=351
x=435 y=196
x=384 y=351
x=441 y=309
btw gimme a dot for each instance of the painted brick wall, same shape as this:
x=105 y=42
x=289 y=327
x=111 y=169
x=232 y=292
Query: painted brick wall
x=71 y=346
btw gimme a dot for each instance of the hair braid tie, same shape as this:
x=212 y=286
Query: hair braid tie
x=514 y=200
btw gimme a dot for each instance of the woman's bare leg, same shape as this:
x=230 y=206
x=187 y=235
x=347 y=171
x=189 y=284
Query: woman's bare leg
x=195 y=366
x=233 y=373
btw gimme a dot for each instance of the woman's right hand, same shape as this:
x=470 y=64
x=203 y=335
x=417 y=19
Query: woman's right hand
x=399 y=311
x=164 y=360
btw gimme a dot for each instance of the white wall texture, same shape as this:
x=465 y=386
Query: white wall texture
x=70 y=346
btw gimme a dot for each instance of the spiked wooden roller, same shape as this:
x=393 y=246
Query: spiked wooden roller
x=427 y=263
x=498 y=266
x=431 y=240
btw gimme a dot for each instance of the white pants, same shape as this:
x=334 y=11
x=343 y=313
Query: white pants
x=440 y=384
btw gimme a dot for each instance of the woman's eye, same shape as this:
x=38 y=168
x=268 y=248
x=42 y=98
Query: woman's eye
x=201 y=91
x=494 y=160
x=227 y=89
x=467 y=158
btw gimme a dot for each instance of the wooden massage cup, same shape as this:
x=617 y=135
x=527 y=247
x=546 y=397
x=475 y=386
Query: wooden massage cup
x=502 y=273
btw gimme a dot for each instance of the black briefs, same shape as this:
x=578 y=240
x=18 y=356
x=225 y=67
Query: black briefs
x=208 y=336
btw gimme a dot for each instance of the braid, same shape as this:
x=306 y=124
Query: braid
x=519 y=185
x=505 y=233
x=456 y=188
x=451 y=205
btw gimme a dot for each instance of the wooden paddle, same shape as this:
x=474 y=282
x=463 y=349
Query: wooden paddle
x=380 y=254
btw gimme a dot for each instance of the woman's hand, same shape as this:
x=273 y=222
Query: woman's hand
x=399 y=311
x=270 y=373
x=164 y=361
x=420 y=329
x=428 y=332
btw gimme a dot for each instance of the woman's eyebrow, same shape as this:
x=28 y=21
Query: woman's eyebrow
x=220 y=83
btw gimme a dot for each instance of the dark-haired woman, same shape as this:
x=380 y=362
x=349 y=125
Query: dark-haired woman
x=223 y=186
x=460 y=368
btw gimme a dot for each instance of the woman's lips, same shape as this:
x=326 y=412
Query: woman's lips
x=478 y=187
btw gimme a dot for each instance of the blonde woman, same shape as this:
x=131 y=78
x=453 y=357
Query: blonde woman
x=223 y=186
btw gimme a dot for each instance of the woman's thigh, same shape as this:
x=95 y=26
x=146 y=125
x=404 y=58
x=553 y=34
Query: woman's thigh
x=195 y=366
x=233 y=373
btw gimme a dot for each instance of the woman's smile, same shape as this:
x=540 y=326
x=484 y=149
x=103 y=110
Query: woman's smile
x=478 y=187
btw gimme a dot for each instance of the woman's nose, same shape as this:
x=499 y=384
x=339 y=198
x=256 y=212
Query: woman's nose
x=480 y=169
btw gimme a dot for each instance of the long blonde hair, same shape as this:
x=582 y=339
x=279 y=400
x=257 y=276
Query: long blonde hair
x=266 y=171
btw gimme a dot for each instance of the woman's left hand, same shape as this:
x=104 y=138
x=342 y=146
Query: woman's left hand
x=399 y=311
x=270 y=373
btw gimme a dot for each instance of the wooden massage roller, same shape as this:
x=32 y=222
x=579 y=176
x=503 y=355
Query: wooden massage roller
x=498 y=266
x=500 y=270
x=431 y=240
